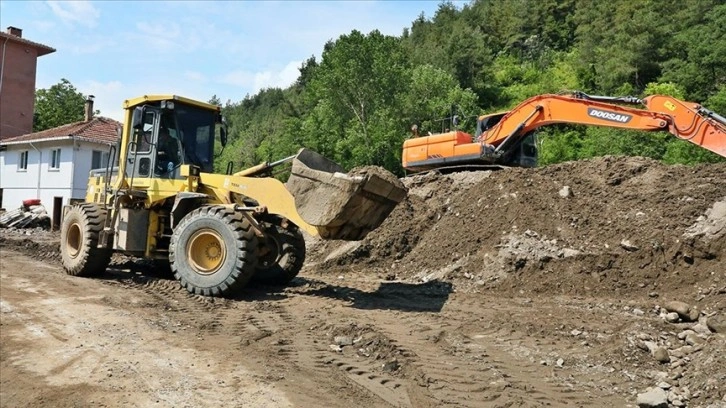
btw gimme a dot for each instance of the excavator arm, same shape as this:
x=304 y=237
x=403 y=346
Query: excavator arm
x=692 y=122
x=495 y=143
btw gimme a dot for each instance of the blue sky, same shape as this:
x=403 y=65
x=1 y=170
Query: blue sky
x=117 y=50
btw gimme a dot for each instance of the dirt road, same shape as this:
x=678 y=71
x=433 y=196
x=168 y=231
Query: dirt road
x=135 y=340
x=488 y=317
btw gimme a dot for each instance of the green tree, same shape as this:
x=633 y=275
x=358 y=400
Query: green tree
x=58 y=105
x=359 y=78
x=356 y=104
x=214 y=100
x=621 y=42
x=251 y=122
x=717 y=101
x=434 y=97
x=697 y=49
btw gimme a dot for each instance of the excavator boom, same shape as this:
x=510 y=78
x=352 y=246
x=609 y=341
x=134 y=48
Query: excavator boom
x=499 y=137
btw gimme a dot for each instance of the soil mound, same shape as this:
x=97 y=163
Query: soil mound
x=609 y=224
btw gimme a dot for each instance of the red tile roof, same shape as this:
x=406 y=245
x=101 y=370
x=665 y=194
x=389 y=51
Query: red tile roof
x=42 y=49
x=98 y=130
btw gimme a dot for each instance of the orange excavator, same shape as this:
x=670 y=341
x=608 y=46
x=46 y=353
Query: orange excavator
x=506 y=139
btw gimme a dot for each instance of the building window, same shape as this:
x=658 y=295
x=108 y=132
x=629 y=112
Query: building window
x=23 y=163
x=99 y=160
x=55 y=159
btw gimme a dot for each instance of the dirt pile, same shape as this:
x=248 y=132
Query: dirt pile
x=606 y=225
x=630 y=229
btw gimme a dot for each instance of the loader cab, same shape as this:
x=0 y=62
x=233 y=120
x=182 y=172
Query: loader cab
x=170 y=132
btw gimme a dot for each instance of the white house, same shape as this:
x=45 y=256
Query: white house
x=53 y=165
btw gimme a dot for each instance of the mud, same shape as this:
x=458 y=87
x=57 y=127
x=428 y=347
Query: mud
x=626 y=225
x=342 y=206
x=482 y=289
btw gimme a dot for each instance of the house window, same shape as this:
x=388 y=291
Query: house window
x=55 y=159
x=99 y=160
x=23 y=163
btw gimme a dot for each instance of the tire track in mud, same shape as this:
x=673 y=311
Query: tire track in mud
x=217 y=316
x=481 y=368
x=363 y=372
x=443 y=376
x=242 y=322
x=441 y=363
x=42 y=251
x=387 y=388
x=304 y=345
x=295 y=340
x=376 y=366
x=253 y=321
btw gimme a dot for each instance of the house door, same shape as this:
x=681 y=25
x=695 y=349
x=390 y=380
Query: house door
x=57 y=211
x=1 y=198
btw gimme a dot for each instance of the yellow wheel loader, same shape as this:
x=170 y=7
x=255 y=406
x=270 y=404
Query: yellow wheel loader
x=162 y=201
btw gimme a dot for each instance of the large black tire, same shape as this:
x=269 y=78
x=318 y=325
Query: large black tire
x=79 y=241
x=281 y=254
x=212 y=251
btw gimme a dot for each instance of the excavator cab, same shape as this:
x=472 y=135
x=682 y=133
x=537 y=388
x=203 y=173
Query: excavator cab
x=486 y=122
x=523 y=154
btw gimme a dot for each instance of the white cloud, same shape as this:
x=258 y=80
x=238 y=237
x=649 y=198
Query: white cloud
x=288 y=75
x=159 y=35
x=42 y=26
x=195 y=49
x=159 y=29
x=93 y=45
x=239 y=78
x=109 y=97
x=80 y=12
x=252 y=82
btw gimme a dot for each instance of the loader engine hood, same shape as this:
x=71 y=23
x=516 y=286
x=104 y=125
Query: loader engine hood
x=342 y=206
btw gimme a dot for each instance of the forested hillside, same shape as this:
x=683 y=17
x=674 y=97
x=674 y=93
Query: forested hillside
x=357 y=103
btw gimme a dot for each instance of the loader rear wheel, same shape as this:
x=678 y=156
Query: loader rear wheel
x=280 y=255
x=79 y=241
x=212 y=251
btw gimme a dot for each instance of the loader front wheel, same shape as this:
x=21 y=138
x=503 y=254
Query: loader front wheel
x=281 y=254
x=212 y=251
x=79 y=241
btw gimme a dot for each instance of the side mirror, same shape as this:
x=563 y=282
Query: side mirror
x=223 y=135
x=138 y=117
x=223 y=131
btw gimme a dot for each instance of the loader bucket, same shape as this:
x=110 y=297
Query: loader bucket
x=342 y=206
